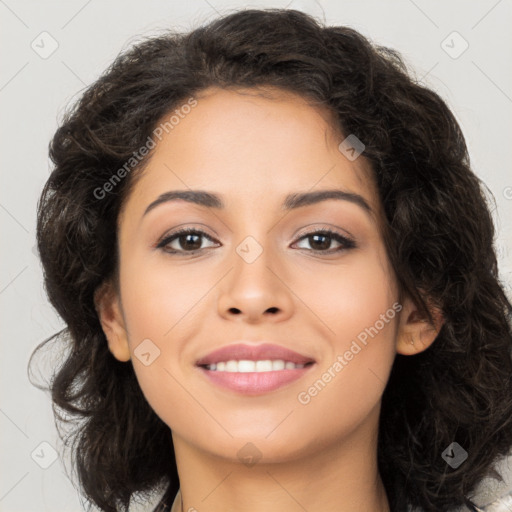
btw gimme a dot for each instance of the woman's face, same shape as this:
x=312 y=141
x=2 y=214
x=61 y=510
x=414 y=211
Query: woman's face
x=255 y=273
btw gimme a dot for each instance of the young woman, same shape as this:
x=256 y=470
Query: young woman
x=277 y=272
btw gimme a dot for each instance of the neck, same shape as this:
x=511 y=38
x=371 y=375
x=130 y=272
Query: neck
x=340 y=476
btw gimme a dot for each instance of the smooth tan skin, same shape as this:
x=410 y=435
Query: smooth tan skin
x=253 y=151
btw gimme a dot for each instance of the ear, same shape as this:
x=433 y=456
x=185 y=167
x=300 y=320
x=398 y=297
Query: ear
x=108 y=307
x=415 y=332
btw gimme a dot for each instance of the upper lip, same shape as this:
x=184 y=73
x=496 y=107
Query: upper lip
x=262 y=351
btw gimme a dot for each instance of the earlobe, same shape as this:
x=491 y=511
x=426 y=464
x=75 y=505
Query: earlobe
x=415 y=332
x=109 y=312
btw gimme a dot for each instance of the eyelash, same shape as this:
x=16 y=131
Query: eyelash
x=346 y=243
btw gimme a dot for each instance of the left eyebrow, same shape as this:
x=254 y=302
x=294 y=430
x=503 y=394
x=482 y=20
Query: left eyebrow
x=291 y=201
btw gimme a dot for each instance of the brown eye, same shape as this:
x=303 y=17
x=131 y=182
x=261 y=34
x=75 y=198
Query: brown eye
x=320 y=241
x=185 y=240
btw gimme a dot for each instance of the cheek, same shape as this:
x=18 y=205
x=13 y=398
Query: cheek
x=350 y=298
x=358 y=305
x=162 y=306
x=160 y=298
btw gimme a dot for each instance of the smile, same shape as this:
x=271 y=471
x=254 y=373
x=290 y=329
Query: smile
x=246 y=366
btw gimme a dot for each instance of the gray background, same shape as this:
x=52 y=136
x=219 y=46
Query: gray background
x=35 y=87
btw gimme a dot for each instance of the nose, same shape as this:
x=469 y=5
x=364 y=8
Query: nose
x=257 y=286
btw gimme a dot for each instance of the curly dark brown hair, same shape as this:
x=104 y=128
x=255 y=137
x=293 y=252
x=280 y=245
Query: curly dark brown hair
x=439 y=236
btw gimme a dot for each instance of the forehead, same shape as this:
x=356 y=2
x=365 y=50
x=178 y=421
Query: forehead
x=251 y=145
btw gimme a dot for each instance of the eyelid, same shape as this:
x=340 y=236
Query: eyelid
x=306 y=230
x=346 y=242
x=183 y=228
x=164 y=239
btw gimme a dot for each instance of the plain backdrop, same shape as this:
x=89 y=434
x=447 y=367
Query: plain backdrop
x=50 y=50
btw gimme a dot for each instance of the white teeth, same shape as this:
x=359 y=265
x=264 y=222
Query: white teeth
x=244 y=366
x=264 y=366
x=278 y=364
x=231 y=366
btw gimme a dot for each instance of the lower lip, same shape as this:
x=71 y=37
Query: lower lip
x=255 y=383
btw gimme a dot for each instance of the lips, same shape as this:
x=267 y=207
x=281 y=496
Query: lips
x=227 y=367
x=265 y=351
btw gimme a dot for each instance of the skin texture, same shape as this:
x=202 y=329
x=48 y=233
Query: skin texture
x=254 y=150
